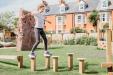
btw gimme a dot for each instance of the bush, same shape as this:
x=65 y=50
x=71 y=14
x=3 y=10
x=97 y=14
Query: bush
x=106 y=26
x=50 y=32
x=86 y=41
x=69 y=42
x=77 y=30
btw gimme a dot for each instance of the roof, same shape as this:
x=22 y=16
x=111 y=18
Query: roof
x=74 y=7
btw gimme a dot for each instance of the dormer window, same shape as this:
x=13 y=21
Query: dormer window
x=82 y=5
x=105 y=3
x=62 y=8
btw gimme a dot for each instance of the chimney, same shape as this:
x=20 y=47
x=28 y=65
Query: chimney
x=61 y=1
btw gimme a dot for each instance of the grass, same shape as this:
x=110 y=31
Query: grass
x=93 y=57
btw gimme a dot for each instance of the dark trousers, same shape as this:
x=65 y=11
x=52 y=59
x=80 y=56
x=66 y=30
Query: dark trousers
x=39 y=32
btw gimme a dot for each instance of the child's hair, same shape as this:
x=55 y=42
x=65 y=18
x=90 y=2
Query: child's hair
x=40 y=6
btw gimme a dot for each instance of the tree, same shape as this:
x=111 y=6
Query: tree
x=93 y=18
x=8 y=20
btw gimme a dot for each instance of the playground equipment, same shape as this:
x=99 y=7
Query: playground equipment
x=24 y=30
x=70 y=61
x=47 y=62
x=13 y=57
x=81 y=65
x=33 y=64
x=109 y=64
x=55 y=63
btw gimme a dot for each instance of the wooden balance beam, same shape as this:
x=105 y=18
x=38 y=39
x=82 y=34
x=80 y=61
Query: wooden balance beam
x=13 y=57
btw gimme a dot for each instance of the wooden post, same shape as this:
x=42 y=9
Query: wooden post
x=109 y=63
x=47 y=62
x=20 y=61
x=109 y=46
x=55 y=63
x=70 y=61
x=109 y=50
x=81 y=65
x=33 y=64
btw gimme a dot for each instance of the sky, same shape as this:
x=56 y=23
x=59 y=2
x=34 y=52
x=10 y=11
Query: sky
x=15 y=5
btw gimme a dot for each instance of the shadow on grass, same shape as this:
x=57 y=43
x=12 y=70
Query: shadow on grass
x=41 y=70
x=62 y=69
x=9 y=63
x=52 y=47
x=75 y=67
x=48 y=48
x=91 y=71
x=65 y=68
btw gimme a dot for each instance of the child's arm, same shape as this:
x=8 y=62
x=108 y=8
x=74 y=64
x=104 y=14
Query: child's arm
x=47 y=8
x=47 y=21
x=44 y=2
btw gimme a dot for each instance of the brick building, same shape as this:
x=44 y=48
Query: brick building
x=76 y=15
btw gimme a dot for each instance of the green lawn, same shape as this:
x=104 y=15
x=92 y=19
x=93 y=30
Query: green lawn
x=93 y=57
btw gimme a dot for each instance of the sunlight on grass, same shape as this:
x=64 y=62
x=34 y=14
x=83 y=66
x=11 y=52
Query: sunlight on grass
x=93 y=57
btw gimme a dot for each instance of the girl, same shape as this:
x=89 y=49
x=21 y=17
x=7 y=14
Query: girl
x=38 y=29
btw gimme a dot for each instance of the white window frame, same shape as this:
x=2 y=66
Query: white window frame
x=82 y=6
x=78 y=20
x=104 y=17
x=61 y=21
x=104 y=3
x=62 y=8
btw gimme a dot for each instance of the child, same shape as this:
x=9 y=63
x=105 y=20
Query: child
x=38 y=29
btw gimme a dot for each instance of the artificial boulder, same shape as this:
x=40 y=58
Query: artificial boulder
x=25 y=32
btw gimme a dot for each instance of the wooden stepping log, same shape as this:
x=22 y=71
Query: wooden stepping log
x=81 y=65
x=33 y=64
x=13 y=57
x=47 y=62
x=55 y=63
x=70 y=61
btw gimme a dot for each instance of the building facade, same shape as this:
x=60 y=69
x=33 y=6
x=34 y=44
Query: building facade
x=65 y=16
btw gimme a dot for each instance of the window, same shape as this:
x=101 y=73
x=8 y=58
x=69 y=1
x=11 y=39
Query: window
x=62 y=8
x=105 y=3
x=80 y=19
x=82 y=5
x=104 y=17
x=60 y=20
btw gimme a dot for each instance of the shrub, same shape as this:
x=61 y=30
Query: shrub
x=50 y=32
x=86 y=41
x=77 y=30
x=69 y=42
x=103 y=30
x=106 y=26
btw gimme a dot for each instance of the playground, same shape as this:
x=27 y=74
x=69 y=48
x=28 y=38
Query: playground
x=64 y=38
x=93 y=58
